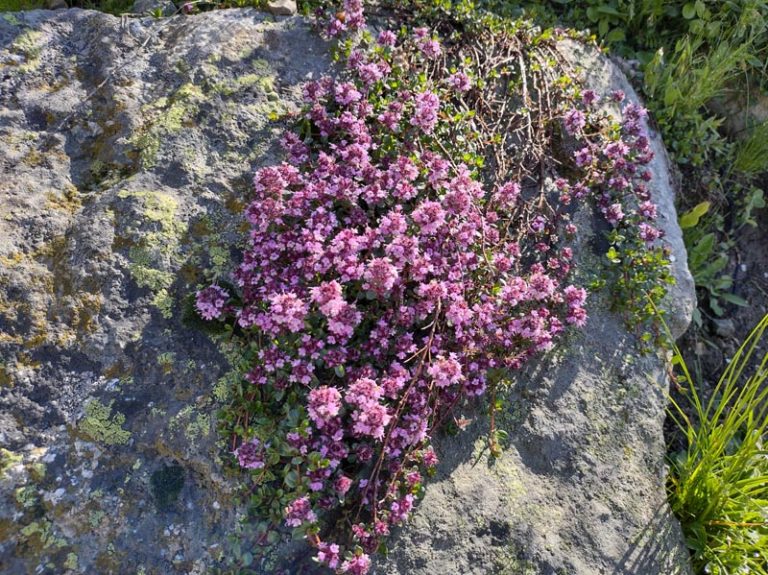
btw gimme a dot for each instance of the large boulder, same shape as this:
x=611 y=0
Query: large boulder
x=127 y=148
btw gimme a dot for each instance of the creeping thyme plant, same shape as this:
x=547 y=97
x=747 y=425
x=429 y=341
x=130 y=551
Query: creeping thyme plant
x=416 y=244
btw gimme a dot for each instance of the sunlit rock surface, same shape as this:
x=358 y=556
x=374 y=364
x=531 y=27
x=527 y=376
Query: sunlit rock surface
x=126 y=149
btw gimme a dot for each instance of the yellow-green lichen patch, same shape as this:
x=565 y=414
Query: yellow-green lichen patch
x=153 y=253
x=164 y=117
x=163 y=302
x=507 y=561
x=8 y=459
x=193 y=423
x=28 y=45
x=66 y=200
x=5 y=377
x=13 y=259
x=71 y=562
x=41 y=535
x=57 y=307
x=101 y=426
x=165 y=361
x=263 y=81
x=73 y=304
x=11 y=19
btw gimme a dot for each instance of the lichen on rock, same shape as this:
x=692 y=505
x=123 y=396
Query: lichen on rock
x=127 y=176
x=100 y=424
x=149 y=128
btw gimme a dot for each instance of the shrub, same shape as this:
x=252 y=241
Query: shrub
x=411 y=253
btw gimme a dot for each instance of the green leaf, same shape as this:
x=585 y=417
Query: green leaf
x=603 y=26
x=689 y=11
x=690 y=218
x=672 y=95
x=734 y=299
x=700 y=252
x=610 y=10
x=701 y=9
x=616 y=35
x=247 y=559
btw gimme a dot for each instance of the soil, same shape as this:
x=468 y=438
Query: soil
x=708 y=348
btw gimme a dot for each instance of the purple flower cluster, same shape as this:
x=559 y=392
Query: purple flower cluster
x=211 y=302
x=299 y=511
x=617 y=170
x=250 y=455
x=388 y=281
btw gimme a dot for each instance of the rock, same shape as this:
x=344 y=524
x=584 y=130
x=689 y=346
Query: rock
x=128 y=152
x=603 y=77
x=282 y=7
x=165 y=7
x=742 y=108
x=580 y=488
x=724 y=327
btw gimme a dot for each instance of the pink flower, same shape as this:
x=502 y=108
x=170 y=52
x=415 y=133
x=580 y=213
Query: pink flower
x=616 y=150
x=328 y=298
x=541 y=286
x=371 y=420
x=588 y=97
x=577 y=316
x=344 y=322
x=614 y=214
x=445 y=371
x=391 y=117
x=211 y=301
x=342 y=484
x=575 y=296
x=287 y=311
x=358 y=565
x=328 y=554
x=460 y=82
x=430 y=216
x=430 y=458
x=380 y=276
x=427 y=105
x=506 y=196
x=299 y=511
x=583 y=157
x=647 y=210
x=648 y=233
x=346 y=93
x=363 y=392
x=574 y=121
x=324 y=404
x=430 y=48
x=250 y=455
x=387 y=38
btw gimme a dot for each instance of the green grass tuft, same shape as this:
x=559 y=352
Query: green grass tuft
x=718 y=486
x=752 y=154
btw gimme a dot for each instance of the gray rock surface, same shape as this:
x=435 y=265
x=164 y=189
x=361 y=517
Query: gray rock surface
x=579 y=489
x=126 y=151
x=149 y=7
x=282 y=7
